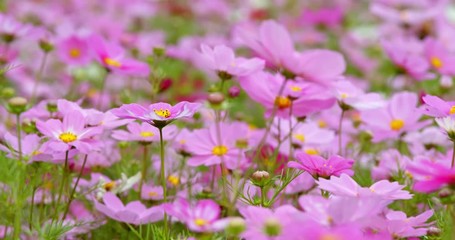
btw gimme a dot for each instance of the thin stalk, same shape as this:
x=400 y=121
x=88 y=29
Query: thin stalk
x=74 y=188
x=30 y=219
x=290 y=130
x=453 y=155
x=262 y=196
x=144 y=168
x=20 y=182
x=39 y=77
x=340 y=133
x=163 y=177
x=103 y=85
x=60 y=191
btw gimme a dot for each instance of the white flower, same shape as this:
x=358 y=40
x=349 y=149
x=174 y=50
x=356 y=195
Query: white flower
x=448 y=124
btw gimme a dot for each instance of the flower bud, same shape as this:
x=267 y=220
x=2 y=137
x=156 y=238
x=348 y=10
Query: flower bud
x=215 y=98
x=433 y=231
x=224 y=75
x=8 y=92
x=260 y=178
x=235 y=226
x=17 y=105
x=272 y=227
x=234 y=91
x=52 y=107
x=159 y=51
x=46 y=46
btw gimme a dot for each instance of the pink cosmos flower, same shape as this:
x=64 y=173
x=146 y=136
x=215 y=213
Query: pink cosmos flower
x=112 y=56
x=207 y=149
x=407 y=12
x=399 y=225
x=396 y=118
x=222 y=60
x=143 y=132
x=74 y=50
x=200 y=217
x=436 y=107
x=347 y=93
x=157 y=114
x=30 y=146
x=133 y=213
x=320 y=167
x=439 y=57
x=391 y=162
x=346 y=186
x=403 y=53
x=264 y=88
x=69 y=133
x=10 y=28
x=431 y=176
x=150 y=192
x=329 y=16
x=263 y=223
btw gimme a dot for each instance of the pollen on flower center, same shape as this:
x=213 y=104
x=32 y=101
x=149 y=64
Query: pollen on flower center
x=164 y=113
x=296 y=89
x=344 y=95
x=200 y=222
x=311 y=151
x=219 y=150
x=300 y=137
x=68 y=137
x=329 y=236
x=75 y=53
x=396 y=124
x=452 y=110
x=109 y=186
x=174 y=180
x=153 y=194
x=322 y=124
x=112 y=62
x=282 y=102
x=147 y=134
x=436 y=62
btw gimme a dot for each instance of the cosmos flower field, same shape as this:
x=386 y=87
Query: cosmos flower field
x=227 y=119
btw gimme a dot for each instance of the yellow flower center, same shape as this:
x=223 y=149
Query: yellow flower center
x=452 y=110
x=112 y=62
x=396 y=124
x=48 y=185
x=34 y=153
x=344 y=95
x=282 y=102
x=147 y=134
x=109 y=186
x=436 y=62
x=296 y=89
x=183 y=141
x=300 y=137
x=200 y=222
x=153 y=194
x=68 y=137
x=75 y=53
x=322 y=124
x=219 y=150
x=174 y=180
x=311 y=151
x=164 y=113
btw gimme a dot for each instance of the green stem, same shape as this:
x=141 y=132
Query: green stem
x=262 y=196
x=38 y=77
x=290 y=130
x=74 y=188
x=340 y=133
x=163 y=177
x=20 y=183
x=144 y=168
x=60 y=191
x=103 y=85
x=31 y=209
x=453 y=155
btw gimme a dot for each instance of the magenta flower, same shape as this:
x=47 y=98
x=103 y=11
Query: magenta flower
x=320 y=167
x=133 y=213
x=143 y=132
x=158 y=114
x=222 y=60
x=74 y=50
x=431 y=176
x=150 y=192
x=439 y=57
x=206 y=149
x=346 y=186
x=436 y=107
x=112 y=57
x=200 y=217
x=69 y=133
x=399 y=116
x=264 y=88
x=263 y=223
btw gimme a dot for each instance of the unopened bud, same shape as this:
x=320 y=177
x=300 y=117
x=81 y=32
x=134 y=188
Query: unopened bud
x=234 y=91
x=52 y=107
x=8 y=92
x=159 y=51
x=445 y=193
x=215 y=98
x=433 y=231
x=235 y=226
x=272 y=227
x=46 y=46
x=260 y=178
x=17 y=105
